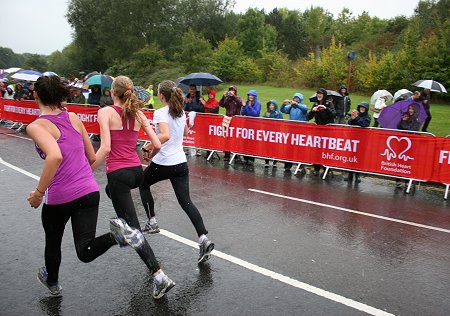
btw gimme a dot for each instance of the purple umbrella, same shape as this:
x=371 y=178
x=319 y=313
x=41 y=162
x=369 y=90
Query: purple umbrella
x=391 y=115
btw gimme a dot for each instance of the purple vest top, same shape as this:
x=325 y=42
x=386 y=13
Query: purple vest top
x=74 y=177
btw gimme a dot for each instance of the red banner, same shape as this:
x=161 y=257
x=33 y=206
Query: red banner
x=371 y=150
x=441 y=167
x=27 y=111
x=379 y=151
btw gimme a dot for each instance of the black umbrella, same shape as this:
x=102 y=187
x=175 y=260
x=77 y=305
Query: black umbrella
x=336 y=96
x=430 y=84
x=201 y=79
x=182 y=86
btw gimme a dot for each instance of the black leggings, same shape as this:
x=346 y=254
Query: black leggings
x=120 y=183
x=179 y=177
x=83 y=213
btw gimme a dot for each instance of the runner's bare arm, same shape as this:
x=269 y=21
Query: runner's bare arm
x=155 y=144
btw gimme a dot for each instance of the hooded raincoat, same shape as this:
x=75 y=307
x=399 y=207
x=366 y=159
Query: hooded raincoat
x=253 y=108
x=297 y=112
x=325 y=116
x=275 y=113
x=212 y=105
x=363 y=119
x=231 y=102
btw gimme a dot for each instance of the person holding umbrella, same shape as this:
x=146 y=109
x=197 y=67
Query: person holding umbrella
x=95 y=95
x=379 y=105
x=192 y=100
x=425 y=98
x=342 y=105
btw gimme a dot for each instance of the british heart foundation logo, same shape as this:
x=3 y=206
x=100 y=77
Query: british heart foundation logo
x=397 y=147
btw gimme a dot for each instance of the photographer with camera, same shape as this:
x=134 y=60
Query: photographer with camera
x=232 y=104
x=297 y=112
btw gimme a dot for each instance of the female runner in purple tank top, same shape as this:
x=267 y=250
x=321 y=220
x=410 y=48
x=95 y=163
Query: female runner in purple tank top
x=67 y=185
x=119 y=127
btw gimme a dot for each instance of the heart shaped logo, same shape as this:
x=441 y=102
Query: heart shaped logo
x=398 y=143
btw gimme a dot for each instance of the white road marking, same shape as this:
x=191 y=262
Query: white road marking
x=21 y=137
x=395 y=220
x=252 y=267
x=29 y=174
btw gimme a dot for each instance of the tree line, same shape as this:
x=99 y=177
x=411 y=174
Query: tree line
x=149 y=40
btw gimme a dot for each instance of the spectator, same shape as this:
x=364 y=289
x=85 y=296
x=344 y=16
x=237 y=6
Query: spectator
x=295 y=108
x=76 y=96
x=151 y=102
x=232 y=104
x=251 y=107
x=343 y=105
x=359 y=117
x=212 y=105
x=95 y=95
x=106 y=98
x=9 y=93
x=297 y=112
x=274 y=113
x=192 y=100
x=323 y=113
x=415 y=97
x=28 y=94
x=380 y=104
x=19 y=92
x=425 y=98
x=410 y=122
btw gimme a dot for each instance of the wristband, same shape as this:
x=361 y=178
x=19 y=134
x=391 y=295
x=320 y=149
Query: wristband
x=43 y=193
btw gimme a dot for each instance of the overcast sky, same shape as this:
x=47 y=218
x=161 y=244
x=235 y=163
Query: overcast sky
x=40 y=26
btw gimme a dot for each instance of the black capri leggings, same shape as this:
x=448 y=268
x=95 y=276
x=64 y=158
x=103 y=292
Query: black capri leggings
x=83 y=213
x=120 y=183
x=179 y=177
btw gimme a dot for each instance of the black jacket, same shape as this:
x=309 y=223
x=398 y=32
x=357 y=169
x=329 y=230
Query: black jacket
x=323 y=117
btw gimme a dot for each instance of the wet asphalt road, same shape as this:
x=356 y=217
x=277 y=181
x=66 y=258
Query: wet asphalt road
x=393 y=267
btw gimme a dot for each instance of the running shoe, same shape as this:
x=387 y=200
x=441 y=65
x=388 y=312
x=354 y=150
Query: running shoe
x=42 y=276
x=205 y=250
x=162 y=288
x=126 y=235
x=151 y=228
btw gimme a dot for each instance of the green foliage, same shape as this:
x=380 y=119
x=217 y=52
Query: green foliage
x=65 y=62
x=225 y=58
x=8 y=58
x=195 y=53
x=275 y=68
x=246 y=70
x=36 y=62
x=254 y=35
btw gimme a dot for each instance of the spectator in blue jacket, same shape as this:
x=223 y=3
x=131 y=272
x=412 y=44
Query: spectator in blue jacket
x=297 y=112
x=275 y=113
x=295 y=108
x=251 y=107
x=359 y=117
